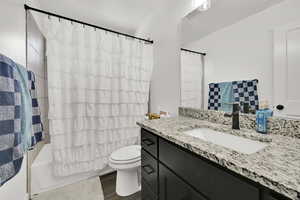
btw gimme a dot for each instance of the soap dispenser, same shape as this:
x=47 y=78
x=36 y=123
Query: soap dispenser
x=262 y=116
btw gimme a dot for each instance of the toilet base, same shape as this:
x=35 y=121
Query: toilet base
x=127 y=182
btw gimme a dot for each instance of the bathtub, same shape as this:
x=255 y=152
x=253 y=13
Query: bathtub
x=42 y=179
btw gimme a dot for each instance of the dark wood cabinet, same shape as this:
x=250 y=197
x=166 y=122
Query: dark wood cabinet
x=149 y=171
x=149 y=165
x=213 y=182
x=171 y=187
x=266 y=197
x=170 y=172
x=149 y=142
x=270 y=195
x=147 y=193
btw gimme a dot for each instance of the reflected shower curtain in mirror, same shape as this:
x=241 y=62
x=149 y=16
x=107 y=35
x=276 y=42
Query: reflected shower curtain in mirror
x=98 y=85
x=191 y=80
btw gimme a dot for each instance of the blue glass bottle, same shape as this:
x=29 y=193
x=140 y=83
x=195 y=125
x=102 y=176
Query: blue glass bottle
x=262 y=120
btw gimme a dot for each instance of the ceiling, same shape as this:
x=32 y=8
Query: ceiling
x=121 y=15
x=222 y=13
x=128 y=15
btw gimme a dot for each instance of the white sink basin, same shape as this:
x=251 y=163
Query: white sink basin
x=240 y=144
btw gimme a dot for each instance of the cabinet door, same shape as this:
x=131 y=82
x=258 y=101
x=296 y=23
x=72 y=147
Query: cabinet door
x=149 y=142
x=147 y=193
x=211 y=181
x=269 y=195
x=173 y=188
x=149 y=171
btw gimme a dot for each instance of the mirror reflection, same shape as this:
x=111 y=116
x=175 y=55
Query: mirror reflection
x=252 y=58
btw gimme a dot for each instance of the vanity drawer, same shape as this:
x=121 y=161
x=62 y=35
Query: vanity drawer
x=149 y=142
x=149 y=171
x=211 y=181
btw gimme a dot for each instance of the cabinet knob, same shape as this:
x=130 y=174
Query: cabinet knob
x=280 y=107
x=148 y=142
x=148 y=169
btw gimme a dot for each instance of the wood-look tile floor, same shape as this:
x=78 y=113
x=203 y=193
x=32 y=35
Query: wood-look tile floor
x=109 y=189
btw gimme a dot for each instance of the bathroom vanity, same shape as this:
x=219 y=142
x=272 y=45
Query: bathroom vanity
x=178 y=166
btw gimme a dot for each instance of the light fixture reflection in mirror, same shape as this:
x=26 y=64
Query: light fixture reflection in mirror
x=202 y=5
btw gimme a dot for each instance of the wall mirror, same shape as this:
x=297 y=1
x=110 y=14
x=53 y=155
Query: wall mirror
x=252 y=55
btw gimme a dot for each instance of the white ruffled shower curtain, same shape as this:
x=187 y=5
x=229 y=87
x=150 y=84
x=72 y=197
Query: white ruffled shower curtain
x=191 y=80
x=98 y=87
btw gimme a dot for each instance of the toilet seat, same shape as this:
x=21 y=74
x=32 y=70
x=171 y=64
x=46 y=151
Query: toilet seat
x=127 y=161
x=126 y=155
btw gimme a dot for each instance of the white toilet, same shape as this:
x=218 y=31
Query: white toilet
x=126 y=161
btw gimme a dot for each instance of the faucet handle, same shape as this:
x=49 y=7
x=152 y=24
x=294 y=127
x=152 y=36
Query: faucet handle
x=236 y=108
x=228 y=115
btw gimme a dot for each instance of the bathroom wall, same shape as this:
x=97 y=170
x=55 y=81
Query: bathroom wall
x=12 y=44
x=36 y=62
x=245 y=50
x=165 y=85
x=164 y=27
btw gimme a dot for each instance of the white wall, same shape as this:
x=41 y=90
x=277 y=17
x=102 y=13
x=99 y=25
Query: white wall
x=12 y=23
x=165 y=85
x=245 y=49
x=165 y=29
x=12 y=44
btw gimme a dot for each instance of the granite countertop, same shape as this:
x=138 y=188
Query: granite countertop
x=276 y=167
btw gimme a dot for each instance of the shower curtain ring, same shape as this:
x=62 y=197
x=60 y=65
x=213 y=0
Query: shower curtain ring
x=49 y=17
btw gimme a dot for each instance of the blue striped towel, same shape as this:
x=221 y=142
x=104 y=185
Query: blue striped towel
x=20 y=120
x=226 y=96
x=26 y=107
x=11 y=147
x=37 y=133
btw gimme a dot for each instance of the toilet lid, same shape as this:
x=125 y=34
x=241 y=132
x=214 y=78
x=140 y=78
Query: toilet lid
x=127 y=153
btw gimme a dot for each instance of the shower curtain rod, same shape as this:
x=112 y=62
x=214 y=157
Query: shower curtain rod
x=84 y=23
x=203 y=54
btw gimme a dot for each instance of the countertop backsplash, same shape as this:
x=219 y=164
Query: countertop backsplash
x=276 y=125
